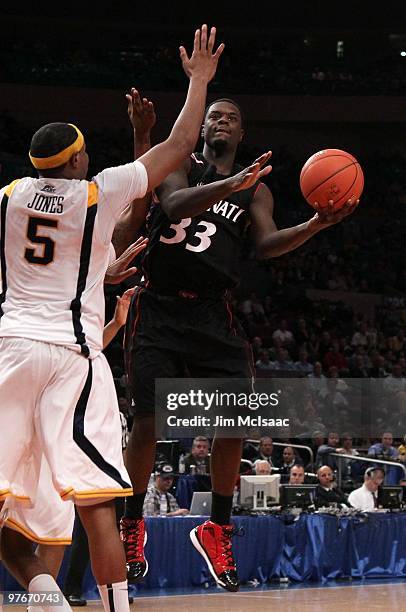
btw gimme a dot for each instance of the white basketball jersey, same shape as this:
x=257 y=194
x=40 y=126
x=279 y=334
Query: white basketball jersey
x=54 y=250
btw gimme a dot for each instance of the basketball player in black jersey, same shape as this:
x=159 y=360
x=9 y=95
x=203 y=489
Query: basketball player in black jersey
x=181 y=319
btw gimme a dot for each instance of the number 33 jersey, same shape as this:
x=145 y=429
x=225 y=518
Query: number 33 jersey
x=200 y=253
x=55 y=239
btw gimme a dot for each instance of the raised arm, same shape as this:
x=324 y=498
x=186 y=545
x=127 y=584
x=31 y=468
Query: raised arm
x=120 y=186
x=142 y=116
x=271 y=242
x=141 y=113
x=166 y=156
x=179 y=201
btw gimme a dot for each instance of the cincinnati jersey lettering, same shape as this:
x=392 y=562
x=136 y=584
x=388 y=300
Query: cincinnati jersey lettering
x=202 y=253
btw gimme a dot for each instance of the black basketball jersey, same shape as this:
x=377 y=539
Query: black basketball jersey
x=200 y=254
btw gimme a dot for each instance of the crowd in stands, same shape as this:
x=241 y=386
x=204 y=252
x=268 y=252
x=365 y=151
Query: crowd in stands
x=360 y=481
x=292 y=66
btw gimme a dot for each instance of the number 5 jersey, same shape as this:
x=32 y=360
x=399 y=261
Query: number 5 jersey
x=54 y=250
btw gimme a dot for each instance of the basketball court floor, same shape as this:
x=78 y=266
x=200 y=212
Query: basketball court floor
x=368 y=595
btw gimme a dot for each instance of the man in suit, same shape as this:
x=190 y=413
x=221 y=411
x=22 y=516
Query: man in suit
x=326 y=494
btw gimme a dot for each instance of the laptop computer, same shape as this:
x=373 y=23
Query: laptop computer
x=201 y=503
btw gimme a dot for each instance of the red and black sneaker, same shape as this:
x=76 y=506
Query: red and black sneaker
x=134 y=537
x=214 y=544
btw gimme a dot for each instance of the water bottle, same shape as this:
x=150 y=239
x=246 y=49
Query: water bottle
x=182 y=464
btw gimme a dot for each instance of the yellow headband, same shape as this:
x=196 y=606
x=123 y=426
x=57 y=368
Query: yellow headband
x=42 y=163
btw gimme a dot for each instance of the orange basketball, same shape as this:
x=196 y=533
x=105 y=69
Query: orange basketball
x=331 y=174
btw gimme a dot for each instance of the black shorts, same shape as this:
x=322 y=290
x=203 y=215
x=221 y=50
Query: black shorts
x=179 y=337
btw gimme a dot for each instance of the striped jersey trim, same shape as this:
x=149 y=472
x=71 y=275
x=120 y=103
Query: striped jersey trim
x=13 y=524
x=84 y=443
x=96 y=493
x=9 y=189
x=3 y=215
x=92 y=194
x=4 y=493
x=85 y=253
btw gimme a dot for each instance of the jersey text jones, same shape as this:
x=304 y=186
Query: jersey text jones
x=47 y=203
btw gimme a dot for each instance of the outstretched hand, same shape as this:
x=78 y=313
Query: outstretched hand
x=141 y=112
x=122 y=306
x=117 y=271
x=327 y=215
x=203 y=62
x=253 y=173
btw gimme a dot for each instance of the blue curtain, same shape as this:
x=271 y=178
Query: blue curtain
x=313 y=547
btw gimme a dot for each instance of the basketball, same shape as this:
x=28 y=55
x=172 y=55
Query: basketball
x=331 y=174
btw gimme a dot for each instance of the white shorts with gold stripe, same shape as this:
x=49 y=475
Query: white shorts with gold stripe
x=51 y=519
x=55 y=402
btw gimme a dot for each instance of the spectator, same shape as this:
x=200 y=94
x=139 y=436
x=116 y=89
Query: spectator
x=289 y=459
x=262 y=467
x=246 y=305
x=360 y=337
x=365 y=498
x=345 y=348
x=294 y=420
x=303 y=366
x=265 y=450
x=402 y=455
x=326 y=494
x=377 y=369
x=158 y=500
x=297 y=474
x=371 y=334
x=312 y=420
x=334 y=357
x=198 y=457
x=264 y=363
x=318 y=439
x=317 y=380
x=333 y=374
x=283 y=333
x=347 y=449
x=334 y=400
x=402 y=447
x=360 y=351
x=398 y=343
x=359 y=370
x=395 y=382
x=384 y=449
x=283 y=360
x=322 y=457
x=350 y=469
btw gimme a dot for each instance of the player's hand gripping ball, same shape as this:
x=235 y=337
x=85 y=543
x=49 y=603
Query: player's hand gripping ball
x=331 y=176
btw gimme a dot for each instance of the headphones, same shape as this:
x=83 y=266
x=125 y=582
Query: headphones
x=369 y=471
